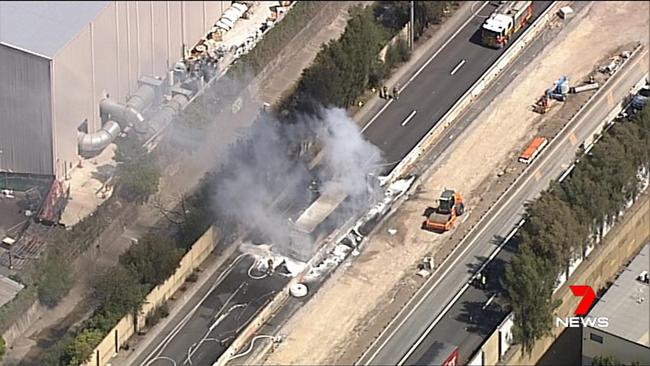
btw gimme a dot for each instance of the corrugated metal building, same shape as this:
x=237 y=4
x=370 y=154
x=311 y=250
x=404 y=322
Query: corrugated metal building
x=58 y=60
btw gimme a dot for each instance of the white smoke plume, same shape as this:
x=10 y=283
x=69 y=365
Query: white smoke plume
x=261 y=167
x=349 y=158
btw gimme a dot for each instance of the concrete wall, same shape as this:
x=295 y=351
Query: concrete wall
x=623 y=350
x=24 y=322
x=128 y=325
x=621 y=244
x=127 y=40
x=25 y=112
x=201 y=249
x=491 y=349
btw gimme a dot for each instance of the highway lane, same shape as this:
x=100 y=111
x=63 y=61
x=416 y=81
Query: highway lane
x=395 y=146
x=435 y=90
x=199 y=335
x=407 y=343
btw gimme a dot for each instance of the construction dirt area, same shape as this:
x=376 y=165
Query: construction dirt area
x=350 y=310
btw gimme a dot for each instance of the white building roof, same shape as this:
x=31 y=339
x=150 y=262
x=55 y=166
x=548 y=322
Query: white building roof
x=44 y=27
x=627 y=302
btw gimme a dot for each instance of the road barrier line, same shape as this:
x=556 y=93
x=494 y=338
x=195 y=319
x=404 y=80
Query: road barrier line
x=425 y=65
x=460 y=64
x=408 y=118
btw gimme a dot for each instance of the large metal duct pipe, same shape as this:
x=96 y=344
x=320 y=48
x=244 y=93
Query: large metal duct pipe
x=123 y=114
x=167 y=112
x=93 y=143
x=130 y=113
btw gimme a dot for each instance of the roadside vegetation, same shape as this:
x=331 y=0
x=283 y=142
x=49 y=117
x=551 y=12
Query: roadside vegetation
x=50 y=277
x=346 y=68
x=609 y=361
x=117 y=291
x=276 y=39
x=570 y=216
x=3 y=348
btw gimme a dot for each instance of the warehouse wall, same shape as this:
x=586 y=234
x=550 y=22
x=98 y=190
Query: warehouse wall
x=126 y=41
x=25 y=112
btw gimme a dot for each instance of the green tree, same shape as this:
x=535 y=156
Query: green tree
x=152 y=260
x=342 y=69
x=117 y=292
x=560 y=222
x=426 y=13
x=529 y=281
x=80 y=350
x=553 y=230
x=55 y=278
x=137 y=171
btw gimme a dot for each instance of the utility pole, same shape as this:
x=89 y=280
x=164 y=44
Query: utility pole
x=412 y=25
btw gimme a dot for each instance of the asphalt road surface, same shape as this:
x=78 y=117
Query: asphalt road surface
x=428 y=97
x=210 y=325
x=441 y=312
x=431 y=95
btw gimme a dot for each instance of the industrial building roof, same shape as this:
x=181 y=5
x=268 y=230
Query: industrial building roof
x=44 y=27
x=627 y=304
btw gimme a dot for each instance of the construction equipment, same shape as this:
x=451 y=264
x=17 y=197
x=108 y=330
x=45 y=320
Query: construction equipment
x=558 y=92
x=442 y=218
x=543 y=104
x=506 y=20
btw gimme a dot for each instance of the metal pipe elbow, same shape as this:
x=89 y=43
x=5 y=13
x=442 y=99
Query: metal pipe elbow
x=93 y=143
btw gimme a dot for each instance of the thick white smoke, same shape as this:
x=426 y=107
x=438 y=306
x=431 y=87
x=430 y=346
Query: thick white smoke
x=349 y=159
x=260 y=170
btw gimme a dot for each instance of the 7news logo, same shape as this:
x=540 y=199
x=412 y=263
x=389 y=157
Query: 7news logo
x=588 y=298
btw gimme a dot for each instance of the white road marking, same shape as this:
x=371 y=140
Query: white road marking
x=487 y=303
x=460 y=64
x=566 y=173
x=155 y=354
x=425 y=65
x=408 y=118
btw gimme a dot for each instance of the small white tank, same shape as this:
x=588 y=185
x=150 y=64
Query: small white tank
x=298 y=290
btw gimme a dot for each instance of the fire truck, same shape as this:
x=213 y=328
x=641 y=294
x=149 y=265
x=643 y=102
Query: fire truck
x=505 y=21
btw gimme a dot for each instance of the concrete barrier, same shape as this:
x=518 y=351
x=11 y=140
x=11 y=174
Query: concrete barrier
x=404 y=167
x=129 y=325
